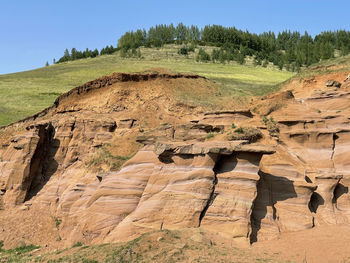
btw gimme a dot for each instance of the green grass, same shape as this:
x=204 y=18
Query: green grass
x=326 y=66
x=25 y=93
x=104 y=156
x=16 y=254
x=157 y=246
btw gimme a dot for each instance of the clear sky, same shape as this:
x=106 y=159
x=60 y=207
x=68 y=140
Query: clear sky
x=35 y=31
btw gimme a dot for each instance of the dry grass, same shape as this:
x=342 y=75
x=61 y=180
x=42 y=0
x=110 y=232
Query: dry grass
x=25 y=93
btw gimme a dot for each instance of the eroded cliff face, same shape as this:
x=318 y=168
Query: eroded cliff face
x=61 y=180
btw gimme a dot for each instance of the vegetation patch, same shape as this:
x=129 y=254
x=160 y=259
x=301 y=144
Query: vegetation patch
x=78 y=244
x=286 y=50
x=104 y=156
x=210 y=135
x=244 y=133
x=271 y=126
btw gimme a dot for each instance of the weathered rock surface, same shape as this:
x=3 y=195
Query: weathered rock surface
x=22 y=163
x=64 y=163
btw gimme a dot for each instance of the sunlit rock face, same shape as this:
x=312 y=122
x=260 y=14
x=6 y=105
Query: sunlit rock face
x=185 y=172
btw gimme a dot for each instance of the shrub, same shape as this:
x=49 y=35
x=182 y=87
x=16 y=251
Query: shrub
x=183 y=51
x=239 y=130
x=203 y=56
x=271 y=125
x=78 y=244
x=210 y=135
x=245 y=133
x=265 y=63
x=265 y=120
x=57 y=222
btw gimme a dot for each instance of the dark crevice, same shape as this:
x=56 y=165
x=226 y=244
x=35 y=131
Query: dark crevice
x=43 y=165
x=166 y=158
x=99 y=178
x=113 y=127
x=210 y=200
x=307 y=179
x=274 y=212
x=73 y=127
x=212 y=195
x=339 y=190
x=335 y=137
x=315 y=201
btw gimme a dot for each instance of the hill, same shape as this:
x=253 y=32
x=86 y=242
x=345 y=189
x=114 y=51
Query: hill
x=25 y=93
x=163 y=165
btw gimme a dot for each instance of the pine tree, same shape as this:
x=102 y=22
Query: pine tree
x=181 y=32
x=73 y=54
x=66 y=54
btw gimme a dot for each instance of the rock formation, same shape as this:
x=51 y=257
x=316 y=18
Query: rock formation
x=61 y=170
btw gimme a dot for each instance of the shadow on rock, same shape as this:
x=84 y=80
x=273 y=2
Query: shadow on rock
x=271 y=189
x=48 y=167
x=315 y=201
x=339 y=190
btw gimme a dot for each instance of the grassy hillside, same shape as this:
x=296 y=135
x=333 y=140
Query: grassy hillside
x=157 y=246
x=25 y=93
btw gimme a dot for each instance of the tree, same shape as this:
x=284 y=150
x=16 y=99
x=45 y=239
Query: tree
x=95 y=53
x=180 y=33
x=240 y=58
x=87 y=53
x=73 y=54
x=47 y=64
x=286 y=49
x=66 y=53
x=66 y=56
x=203 y=56
x=193 y=34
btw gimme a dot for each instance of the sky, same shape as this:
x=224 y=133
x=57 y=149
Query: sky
x=35 y=31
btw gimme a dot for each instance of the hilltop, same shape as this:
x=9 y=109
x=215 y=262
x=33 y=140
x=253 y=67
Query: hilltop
x=25 y=93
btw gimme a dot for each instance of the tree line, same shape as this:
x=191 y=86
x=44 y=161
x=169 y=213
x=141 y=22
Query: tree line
x=75 y=54
x=287 y=49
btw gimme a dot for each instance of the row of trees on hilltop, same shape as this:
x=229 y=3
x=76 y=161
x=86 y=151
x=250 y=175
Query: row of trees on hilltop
x=75 y=54
x=286 y=49
x=160 y=35
x=290 y=50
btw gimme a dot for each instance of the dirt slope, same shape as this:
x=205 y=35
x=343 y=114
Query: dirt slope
x=277 y=170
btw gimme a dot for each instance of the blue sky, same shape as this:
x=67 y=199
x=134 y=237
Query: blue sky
x=35 y=31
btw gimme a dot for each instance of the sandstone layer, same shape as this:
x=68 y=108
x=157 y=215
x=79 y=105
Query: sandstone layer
x=122 y=155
